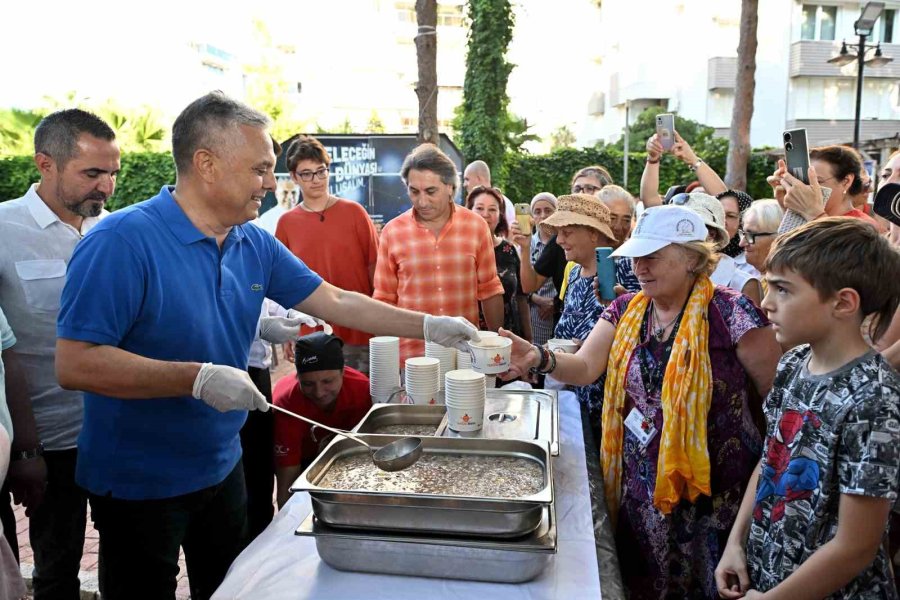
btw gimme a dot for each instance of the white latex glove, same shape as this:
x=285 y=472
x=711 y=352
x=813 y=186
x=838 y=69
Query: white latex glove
x=226 y=388
x=450 y=331
x=314 y=321
x=280 y=330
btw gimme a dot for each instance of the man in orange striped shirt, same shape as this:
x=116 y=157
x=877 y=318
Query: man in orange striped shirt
x=437 y=257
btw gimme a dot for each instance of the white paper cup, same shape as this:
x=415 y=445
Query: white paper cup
x=465 y=419
x=423 y=398
x=562 y=345
x=491 y=355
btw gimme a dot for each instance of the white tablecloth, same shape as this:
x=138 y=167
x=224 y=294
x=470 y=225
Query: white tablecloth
x=280 y=565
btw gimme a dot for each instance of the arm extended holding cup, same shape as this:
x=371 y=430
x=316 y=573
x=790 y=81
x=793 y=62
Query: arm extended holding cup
x=581 y=368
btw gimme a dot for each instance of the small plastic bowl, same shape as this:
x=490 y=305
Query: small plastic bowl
x=562 y=345
x=491 y=355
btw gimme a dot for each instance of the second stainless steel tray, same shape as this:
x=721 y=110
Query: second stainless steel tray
x=435 y=513
x=500 y=561
x=509 y=414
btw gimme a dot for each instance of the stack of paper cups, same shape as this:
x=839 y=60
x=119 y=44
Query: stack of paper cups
x=384 y=367
x=490 y=381
x=463 y=359
x=464 y=395
x=447 y=356
x=422 y=377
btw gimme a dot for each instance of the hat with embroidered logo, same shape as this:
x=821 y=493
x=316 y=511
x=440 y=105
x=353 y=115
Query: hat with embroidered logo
x=318 y=351
x=710 y=210
x=660 y=226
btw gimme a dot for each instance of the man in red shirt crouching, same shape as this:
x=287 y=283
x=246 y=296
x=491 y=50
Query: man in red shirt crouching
x=323 y=390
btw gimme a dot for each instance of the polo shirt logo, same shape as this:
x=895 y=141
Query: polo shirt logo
x=256 y=287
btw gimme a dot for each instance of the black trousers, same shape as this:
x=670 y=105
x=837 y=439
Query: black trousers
x=139 y=540
x=258 y=442
x=56 y=530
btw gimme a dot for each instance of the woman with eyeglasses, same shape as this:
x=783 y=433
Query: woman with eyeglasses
x=334 y=237
x=489 y=203
x=760 y=228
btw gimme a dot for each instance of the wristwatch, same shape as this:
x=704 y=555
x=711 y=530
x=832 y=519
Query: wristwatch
x=27 y=454
x=696 y=165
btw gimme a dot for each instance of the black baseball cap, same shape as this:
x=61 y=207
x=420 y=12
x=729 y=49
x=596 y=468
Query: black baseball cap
x=318 y=351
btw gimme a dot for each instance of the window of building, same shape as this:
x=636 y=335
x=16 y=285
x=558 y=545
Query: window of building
x=887 y=26
x=818 y=22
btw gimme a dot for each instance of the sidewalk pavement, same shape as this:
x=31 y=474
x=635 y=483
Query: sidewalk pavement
x=90 y=558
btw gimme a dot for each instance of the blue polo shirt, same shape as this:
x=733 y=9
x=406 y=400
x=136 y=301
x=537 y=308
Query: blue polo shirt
x=147 y=281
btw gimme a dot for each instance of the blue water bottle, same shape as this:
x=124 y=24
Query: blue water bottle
x=606 y=273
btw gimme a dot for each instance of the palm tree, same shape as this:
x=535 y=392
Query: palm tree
x=745 y=85
x=426 y=56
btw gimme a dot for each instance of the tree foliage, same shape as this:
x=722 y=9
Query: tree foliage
x=561 y=138
x=526 y=175
x=483 y=123
x=696 y=134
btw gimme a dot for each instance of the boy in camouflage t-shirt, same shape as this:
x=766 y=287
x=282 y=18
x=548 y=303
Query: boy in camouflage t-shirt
x=815 y=515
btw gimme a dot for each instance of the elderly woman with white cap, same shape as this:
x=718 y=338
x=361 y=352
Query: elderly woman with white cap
x=678 y=439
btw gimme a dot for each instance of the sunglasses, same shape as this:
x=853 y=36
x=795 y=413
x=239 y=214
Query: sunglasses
x=680 y=199
x=750 y=236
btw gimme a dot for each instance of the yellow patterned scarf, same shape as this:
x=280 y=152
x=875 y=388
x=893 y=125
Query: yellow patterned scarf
x=683 y=465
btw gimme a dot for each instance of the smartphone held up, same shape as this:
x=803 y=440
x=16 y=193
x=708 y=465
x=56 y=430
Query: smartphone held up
x=665 y=130
x=523 y=218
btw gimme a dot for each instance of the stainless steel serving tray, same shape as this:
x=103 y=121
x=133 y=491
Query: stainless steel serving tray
x=381 y=415
x=430 y=513
x=499 y=561
x=509 y=414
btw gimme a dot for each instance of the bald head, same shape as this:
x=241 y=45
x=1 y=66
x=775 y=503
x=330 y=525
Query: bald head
x=477 y=173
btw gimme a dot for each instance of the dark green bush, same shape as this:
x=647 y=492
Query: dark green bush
x=141 y=177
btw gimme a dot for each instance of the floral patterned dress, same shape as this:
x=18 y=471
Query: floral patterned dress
x=675 y=555
x=581 y=311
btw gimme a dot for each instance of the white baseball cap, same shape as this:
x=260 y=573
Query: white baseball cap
x=660 y=226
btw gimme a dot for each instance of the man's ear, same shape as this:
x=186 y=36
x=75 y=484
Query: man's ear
x=846 y=302
x=45 y=164
x=205 y=164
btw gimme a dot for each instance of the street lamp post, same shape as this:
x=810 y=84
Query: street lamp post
x=863 y=28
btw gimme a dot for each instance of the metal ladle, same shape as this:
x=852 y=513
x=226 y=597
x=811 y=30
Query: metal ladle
x=395 y=456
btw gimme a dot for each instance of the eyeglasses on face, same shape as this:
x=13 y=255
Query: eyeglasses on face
x=750 y=236
x=585 y=188
x=320 y=173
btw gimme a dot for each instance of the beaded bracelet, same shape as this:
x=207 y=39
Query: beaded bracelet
x=544 y=358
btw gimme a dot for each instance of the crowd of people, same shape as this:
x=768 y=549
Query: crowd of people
x=739 y=383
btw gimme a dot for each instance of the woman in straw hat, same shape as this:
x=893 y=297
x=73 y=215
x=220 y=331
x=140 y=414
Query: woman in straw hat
x=678 y=440
x=581 y=223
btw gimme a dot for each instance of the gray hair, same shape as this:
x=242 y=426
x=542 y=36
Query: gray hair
x=768 y=213
x=610 y=193
x=57 y=134
x=204 y=124
x=428 y=157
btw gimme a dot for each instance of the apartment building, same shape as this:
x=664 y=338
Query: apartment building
x=683 y=56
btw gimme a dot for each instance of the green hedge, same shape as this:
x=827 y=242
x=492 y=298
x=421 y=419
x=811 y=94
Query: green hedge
x=525 y=174
x=141 y=177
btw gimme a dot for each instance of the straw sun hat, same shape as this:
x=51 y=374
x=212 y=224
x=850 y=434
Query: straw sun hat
x=580 y=209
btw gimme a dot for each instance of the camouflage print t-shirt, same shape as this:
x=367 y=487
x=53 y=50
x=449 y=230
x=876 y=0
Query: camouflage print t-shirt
x=828 y=435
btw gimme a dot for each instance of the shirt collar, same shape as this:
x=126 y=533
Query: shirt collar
x=45 y=217
x=179 y=223
x=39 y=210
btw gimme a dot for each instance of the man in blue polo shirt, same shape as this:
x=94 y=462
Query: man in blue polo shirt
x=160 y=307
